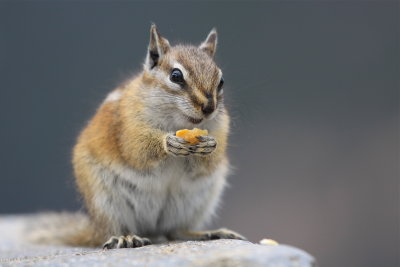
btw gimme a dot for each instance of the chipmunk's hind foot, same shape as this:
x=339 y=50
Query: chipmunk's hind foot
x=222 y=234
x=129 y=241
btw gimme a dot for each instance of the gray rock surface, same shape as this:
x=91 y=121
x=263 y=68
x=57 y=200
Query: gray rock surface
x=14 y=251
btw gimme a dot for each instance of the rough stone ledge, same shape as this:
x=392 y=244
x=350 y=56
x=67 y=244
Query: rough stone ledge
x=13 y=251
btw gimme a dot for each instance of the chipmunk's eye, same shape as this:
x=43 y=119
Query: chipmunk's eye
x=177 y=76
x=221 y=83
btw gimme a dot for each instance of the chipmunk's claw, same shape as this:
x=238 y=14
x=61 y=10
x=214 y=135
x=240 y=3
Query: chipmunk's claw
x=206 y=145
x=177 y=146
x=222 y=234
x=129 y=241
x=180 y=147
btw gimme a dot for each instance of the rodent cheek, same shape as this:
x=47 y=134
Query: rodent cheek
x=188 y=106
x=197 y=107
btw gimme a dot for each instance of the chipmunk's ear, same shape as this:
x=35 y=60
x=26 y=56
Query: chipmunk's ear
x=210 y=44
x=158 y=46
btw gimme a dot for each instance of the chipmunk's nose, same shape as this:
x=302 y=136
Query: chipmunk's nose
x=209 y=107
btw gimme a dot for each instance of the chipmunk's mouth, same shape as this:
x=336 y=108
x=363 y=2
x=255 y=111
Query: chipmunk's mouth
x=193 y=120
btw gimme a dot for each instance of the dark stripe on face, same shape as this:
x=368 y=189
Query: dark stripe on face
x=210 y=99
x=182 y=59
x=151 y=81
x=169 y=90
x=195 y=100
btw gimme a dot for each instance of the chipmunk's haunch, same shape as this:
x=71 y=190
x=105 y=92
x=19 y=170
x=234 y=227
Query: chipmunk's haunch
x=139 y=180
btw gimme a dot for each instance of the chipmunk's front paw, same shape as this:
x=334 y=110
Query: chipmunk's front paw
x=206 y=145
x=129 y=241
x=180 y=147
x=177 y=146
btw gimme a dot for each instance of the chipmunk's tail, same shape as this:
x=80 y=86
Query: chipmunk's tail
x=65 y=228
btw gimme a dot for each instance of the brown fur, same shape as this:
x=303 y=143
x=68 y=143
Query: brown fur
x=120 y=133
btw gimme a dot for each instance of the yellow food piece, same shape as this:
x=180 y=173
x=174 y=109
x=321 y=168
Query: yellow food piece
x=268 y=242
x=190 y=135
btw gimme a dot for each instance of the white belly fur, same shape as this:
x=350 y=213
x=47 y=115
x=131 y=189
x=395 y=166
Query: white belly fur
x=173 y=196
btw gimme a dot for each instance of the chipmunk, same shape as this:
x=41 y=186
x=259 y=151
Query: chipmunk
x=138 y=180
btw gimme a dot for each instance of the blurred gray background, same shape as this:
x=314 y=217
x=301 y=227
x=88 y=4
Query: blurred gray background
x=312 y=88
